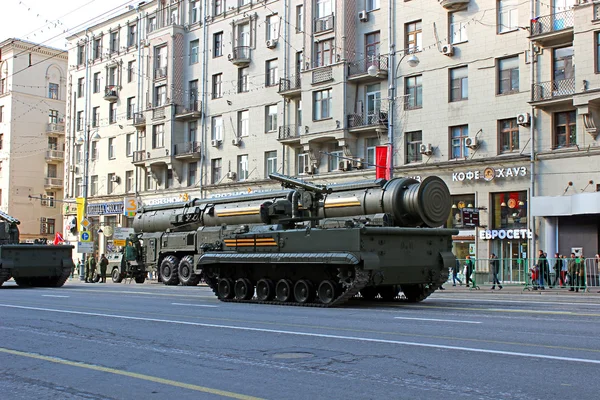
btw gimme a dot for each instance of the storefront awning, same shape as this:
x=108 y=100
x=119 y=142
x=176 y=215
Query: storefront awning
x=556 y=206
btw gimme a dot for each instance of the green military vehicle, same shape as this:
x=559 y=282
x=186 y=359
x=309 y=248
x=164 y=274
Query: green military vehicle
x=127 y=264
x=34 y=265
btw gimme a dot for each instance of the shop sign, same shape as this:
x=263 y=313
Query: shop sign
x=505 y=234
x=166 y=200
x=122 y=233
x=130 y=206
x=105 y=208
x=240 y=193
x=489 y=174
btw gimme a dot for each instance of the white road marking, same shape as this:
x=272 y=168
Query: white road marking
x=194 y=305
x=54 y=295
x=439 y=320
x=317 y=335
x=555 y=303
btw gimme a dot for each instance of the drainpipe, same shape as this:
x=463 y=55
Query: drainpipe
x=140 y=93
x=532 y=249
x=345 y=69
x=286 y=73
x=391 y=88
x=203 y=135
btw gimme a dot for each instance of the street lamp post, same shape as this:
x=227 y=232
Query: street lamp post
x=412 y=61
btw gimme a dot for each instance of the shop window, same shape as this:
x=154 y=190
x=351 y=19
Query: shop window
x=458 y=203
x=509 y=210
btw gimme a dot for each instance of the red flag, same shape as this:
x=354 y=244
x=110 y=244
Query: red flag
x=381 y=169
x=58 y=238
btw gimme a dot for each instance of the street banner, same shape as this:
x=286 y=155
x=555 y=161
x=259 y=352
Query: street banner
x=381 y=169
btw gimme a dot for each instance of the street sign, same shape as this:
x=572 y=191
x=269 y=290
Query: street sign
x=119 y=242
x=470 y=216
x=84 y=236
x=85 y=223
x=122 y=233
x=85 y=247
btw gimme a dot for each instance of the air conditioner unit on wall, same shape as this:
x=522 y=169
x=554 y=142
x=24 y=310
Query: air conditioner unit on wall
x=426 y=149
x=524 y=119
x=448 y=50
x=215 y=143
x=231 y=175
x=115 y=179
x=472 y=142
x=309 y=170
x=363 y=16
x=345 y=165
x=359 y=163
x=272 y=43
x=236 y=141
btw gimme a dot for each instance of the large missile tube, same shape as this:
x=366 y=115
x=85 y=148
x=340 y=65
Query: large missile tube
x=410 y=204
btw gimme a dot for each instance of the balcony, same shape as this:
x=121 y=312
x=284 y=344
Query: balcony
x=324 y=24
x=192 y=110
x=53 y=128
x=53 y=183
x=139 y=121
x=240 y=56
x=359 y=70
x=140 y=157
x=454 y=5
x=364 y=122
x=189 y=150
x=553 y=29
x=322 y=75
x=160 y=73
x=111 y=93
x=291 y=87
x=55 y=155
x=553 y=92
x=158 y=112
x=289 y=134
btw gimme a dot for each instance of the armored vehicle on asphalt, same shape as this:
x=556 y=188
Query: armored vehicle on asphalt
x=306 y=244
x=31 y=264
x=128 y=264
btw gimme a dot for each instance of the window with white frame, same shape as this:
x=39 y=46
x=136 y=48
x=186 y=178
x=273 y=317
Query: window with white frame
x=243 y=79
x=458 y=28
x=129 y=144
x=217 y=128
x=112 y=76
x=272 y=27
x=130 y=71
x=149 y=180
x=508 y=15
x=194 y=11
x=95 y=117
x=192 y=169
x=324 y=8
x=129 y=181
x=373 y=5
x=111 y=148
x=458 y=141
x=94 y=150
x=271 y=78
x=270 y=162
x=158 y=136
x=97 y=82
x=114 y=42
x=52 y=115
x=299 y=18
x=160 y=95
x=303 y=163
x=110 y=183
x=80 y=87
x=132 y=35
x=322 y=104
x=414 y=36
x=130 y=107
x=80 y=54
x=194 y=46
x=459 y=84
x=217 y=86
x=218 y=7
x=94 y=185
x=216 y=168
x=370 y=152
x=244 y=2
x=78 y=153
x=97 y=49
x=112 y=112
x=243 y=123
x=78 y=187
x=271 y=118
x=242 y=172
x=79 y=120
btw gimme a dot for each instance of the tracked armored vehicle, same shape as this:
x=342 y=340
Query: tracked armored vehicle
x=31 y=264
x=307 y=244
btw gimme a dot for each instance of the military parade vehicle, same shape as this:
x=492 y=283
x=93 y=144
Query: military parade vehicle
x=306 y=244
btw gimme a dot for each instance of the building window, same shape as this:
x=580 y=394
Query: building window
x=80 y=54
x=3 y=88
x=324 y=8
x=130 y=107
x=192 y=131
x=242 y=172
x=215 y=165
x=458 y=141
x=372 y=41
x=370 y=151
x=192 y=167
x=97 y=49
x=160 y=95
x=52 y=116
x=218 y=44
x=244 y=2
x=299 y=18
x=272 y=27
x=95 y=117
x=414 y=92
x=217 y=128
x=97 y=82
x=303 y=163
x=459 y=84
x=322 y=104
x=1 y=141
x=508 y=15
x=565 y=129
x=78 y=153
x=2 y=113
x=94 y=150
x=80 y=84
x=335 y=159
x=158 y=136
x=160 y=62
x=508 y=75
x=50 y=199
x=324 y=53
x=509 y=135
x=270 y=162
x=414 y=36
x=114 y=42
x=132 y=35
x=194 y=46
x=218 y=7
x=129 y=144
x=112 y=76
x=129 y=181
x=79 y=120
x=52 y=143
x=169 y=179
x=112 y=113
x=111 y=148
x=130 y=71
x=78 y=187
x=372 y=5
x=563 y=68
x=509 y=210
x=195 y=11
x=110 y=183
x=413 y=147
x=458 y=29
x=271 y=69
x=271 y=118
x=151 y=23
x=217 y=86
x=53 y=91
x=94 y=185
x=243 y=80
x=52 y=171
x=149 y=180
x=47 y=226
x=597 y=36
x=244 y=123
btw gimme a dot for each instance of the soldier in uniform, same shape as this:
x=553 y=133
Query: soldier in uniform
x=103 y=265
x=572 y=271
x=90 y=269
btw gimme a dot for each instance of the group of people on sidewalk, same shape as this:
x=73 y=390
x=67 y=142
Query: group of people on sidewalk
x=90 y=268
x=569 y=271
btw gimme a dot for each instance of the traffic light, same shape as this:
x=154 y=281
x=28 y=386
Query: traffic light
x=73 y=226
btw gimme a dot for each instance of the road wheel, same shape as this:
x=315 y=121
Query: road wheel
x=327 y=291
x=304 y=291
x=283 y=290
x=141 y=278
x=225 y=289
x=369 y=293
x=265 y=290
x=187 y=277
x=168 y=271
x=388 y=293
x=116 y=276
x=244 y=289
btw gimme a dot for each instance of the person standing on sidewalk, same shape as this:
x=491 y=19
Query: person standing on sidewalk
x=572 y=273
x=455 y=273
x=90 y=269
x=557 y=270
x=495 y=268
x=469 y=270
x=542 y=267
x=103 y=265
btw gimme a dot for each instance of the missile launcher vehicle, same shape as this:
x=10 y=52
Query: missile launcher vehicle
x=306 y=244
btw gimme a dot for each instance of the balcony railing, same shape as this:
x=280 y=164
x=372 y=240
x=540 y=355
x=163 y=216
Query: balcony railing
x=158 y=112
x=111 y=93
x=53 y=182
x=289 y=132
x=55 y=155
x=323 y=74
x=139 y=156
x=375 y=118
x=362 y=66
x=139 y=119
x=293 y=83
x=553 y=89
x=186 y=149
x=240 y=55
x=552 y=23
x=324 y=23
x=192 y=107
x=160 y=73
x=56 y=128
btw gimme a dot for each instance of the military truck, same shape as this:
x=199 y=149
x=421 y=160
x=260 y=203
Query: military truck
x=306 y=244
x=35 y=265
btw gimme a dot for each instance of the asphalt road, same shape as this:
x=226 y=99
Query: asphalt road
x=108 y=341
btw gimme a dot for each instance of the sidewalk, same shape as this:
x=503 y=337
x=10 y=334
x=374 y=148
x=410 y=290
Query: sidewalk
x=517 y=289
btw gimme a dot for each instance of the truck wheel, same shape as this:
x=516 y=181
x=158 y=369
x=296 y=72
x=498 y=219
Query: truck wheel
x=141 y=278
x=168 y=271
x=116 y=276
x=187 y=277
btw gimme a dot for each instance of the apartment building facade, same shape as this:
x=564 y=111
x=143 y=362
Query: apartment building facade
x=32 y=136
x=228 y=91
